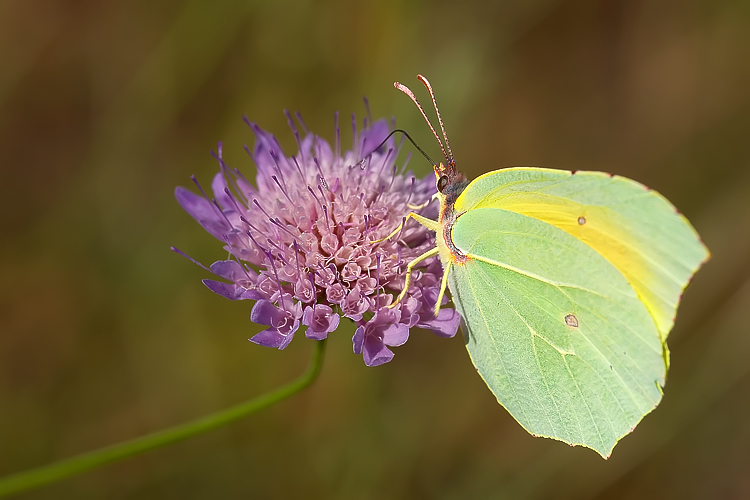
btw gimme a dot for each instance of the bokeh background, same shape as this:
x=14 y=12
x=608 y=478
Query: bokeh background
x=106 y=335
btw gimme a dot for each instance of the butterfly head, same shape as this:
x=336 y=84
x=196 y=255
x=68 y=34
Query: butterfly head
x=447 y=176
x=450 y=183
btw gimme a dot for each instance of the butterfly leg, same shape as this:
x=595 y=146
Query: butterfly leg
x=443 y=286
x=420 y=207
x=430 y=224
x=409 y=267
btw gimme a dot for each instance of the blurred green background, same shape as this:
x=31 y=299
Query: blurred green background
x=106 y=335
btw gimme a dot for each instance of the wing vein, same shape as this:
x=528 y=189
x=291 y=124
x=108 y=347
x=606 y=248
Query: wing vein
x=497 y=351
x=533 y=333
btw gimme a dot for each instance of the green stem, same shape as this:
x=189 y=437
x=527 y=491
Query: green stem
x=36 y=477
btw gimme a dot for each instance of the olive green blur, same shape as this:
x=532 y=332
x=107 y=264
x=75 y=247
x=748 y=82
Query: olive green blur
x=106 y=335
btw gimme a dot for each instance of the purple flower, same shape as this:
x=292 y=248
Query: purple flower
x=303 y=240
x=371 y=339
x=320 y=321
x=445 y=324
x=283 y=322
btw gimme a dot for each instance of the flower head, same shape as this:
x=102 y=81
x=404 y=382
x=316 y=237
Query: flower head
x=304 y=241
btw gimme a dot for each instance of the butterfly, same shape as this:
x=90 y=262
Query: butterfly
x=567 y=284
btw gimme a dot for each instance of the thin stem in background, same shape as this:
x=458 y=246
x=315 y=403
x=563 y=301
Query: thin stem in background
x=37 y=477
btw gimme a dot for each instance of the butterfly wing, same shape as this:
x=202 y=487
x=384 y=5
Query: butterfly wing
x=568 y=295
x=554 y=329
x=634 y=228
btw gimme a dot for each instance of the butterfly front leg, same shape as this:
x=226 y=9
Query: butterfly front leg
x=407 y=279
x=432 y=225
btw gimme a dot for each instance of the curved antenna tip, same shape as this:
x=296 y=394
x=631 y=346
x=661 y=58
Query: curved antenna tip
x=403 y=88
x=426 y=83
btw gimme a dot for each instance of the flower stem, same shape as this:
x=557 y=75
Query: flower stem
x=36 y=477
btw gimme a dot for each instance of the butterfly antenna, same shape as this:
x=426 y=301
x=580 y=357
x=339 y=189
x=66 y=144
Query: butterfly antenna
x=406 y=134
x=426 y=83
x=405 y=90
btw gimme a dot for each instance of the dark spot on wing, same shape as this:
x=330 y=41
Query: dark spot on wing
x=581 y=220
x=571 y=320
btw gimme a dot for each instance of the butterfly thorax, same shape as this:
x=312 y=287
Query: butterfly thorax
x=450 y=185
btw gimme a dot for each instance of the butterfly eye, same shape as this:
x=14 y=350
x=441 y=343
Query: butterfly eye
x=442 y=183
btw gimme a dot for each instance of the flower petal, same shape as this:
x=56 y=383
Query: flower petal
x=232 y=271
x=230 y=291
x=219 y=186
x=375 y=135
x=375 y=353
x=265 y=313
x=320 y=321
x=445 y=325
x=395 y=334
x=358 y=340
x=252 y=294
x=202 y=211
x=272 y=338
